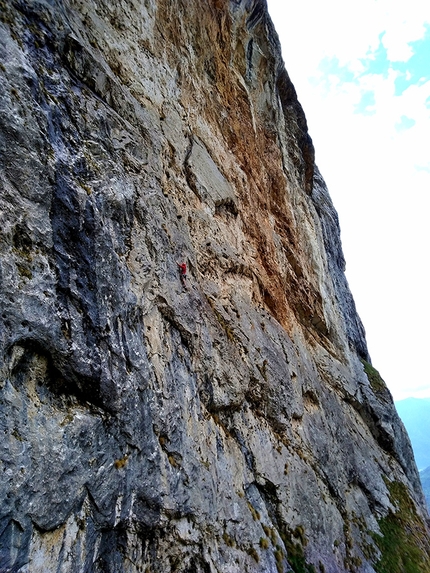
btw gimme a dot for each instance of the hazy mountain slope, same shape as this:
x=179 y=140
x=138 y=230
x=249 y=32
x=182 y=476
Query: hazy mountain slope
x=415 y=414
x=425 y=480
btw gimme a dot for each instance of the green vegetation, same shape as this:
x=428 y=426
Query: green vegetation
x=254 y=512
x=174 y=460
x=223 y=322
x=294 y=542
x=299 y=533
x=254 y=554
x=263 y=369
x=24 y=271
x=403 y=544
x=295 y=554
x=120 y=463
x=227 y=328
x=376 y=382
x=279 y=557
x=228 y=540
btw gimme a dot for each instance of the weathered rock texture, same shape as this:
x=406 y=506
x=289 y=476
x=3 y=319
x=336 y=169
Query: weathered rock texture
x=228 y=426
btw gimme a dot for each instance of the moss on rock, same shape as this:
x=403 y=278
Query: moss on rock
x=377 y=383
x=403 y=543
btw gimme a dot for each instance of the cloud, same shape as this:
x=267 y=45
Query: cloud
x=416 y=69
x=405 y=123
x=376 y=61
x=367 y=103
x=366 y=72
x=403 y=27
x=425 y=168
x=411 y=62
x=332 y=67
x=396 y=94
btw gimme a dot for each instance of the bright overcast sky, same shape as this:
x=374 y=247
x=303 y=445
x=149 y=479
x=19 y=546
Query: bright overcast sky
x=361 y=70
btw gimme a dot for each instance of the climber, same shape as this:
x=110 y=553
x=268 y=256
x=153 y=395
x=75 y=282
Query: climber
x=183 y=272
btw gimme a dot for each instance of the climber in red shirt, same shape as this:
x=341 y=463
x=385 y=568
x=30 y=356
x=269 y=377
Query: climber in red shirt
x=183 y=271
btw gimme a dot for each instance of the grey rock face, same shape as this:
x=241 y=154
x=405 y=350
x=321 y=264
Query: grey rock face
x=222 y=425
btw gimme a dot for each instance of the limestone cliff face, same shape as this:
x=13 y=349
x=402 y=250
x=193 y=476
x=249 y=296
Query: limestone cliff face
x=230 y=425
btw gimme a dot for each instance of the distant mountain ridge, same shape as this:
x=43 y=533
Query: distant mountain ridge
x=425 y=480
x=415 y=415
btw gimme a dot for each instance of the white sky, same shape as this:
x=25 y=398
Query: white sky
x=361 y=70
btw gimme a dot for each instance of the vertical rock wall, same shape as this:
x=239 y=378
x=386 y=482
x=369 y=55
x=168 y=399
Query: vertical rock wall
x=230 y=425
